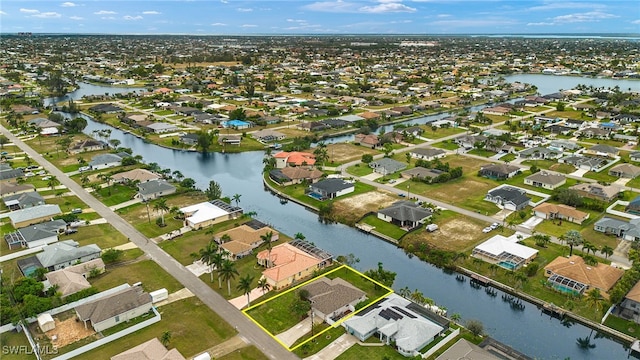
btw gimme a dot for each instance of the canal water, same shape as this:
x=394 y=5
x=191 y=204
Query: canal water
x=525 y=329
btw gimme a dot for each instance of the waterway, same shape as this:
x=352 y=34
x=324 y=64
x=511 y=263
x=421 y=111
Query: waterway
x=548 y=84
x=527 y=330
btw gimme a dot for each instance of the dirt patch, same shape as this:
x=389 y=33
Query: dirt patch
x=455 y=234
x=68 y=331
x=341 y=153
x=351 y=209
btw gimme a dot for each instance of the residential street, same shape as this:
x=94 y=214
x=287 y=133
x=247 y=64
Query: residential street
x=216 y=302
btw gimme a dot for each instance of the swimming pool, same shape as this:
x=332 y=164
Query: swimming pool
x=315 y=196
x=565 y=289
x=508 y=265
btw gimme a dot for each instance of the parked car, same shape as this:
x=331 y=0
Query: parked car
x=76 y=211
x=84 y=168
x=486 y=230
x=494 y=226
x=70 y=231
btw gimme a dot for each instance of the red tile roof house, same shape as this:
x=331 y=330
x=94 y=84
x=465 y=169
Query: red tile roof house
x=369 y=140
x=295 y=158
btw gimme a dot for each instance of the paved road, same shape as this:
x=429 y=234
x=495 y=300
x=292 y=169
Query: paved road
x=215 y=301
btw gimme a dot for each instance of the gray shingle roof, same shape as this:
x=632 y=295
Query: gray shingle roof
x=329 y=295
x=406 y=211
x=41 y=231
x=115 y=304
x=428 y=152
x=28 y=198
x=388 y=164
x=510 y=194
x=105 y=159
x=34 y=213
x=65 y=251
x=331 y=186
x=154 y=186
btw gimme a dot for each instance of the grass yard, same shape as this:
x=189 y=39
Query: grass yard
x=103 y=235
x=115 y=194
x=384 y=227
x=360 y=170
x=602 y=176
x=67 y=203
x=555 y=228
x=625 y=326
x=204 y=329
x=352 y=209
x=440 y=132
x=245 y=353
x=321 y=342
x=446 y=145
x=14 y=339
x=344 y=152
x=152 y=276
x=509 y=157
x=373 y=291
x=358 y=352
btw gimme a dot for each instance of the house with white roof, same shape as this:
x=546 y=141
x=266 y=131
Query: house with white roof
x=33 y=215
x=207 y=213
x=505 y=251
x=398 y=320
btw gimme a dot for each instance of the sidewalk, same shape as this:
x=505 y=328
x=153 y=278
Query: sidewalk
x=183 y=293
x=125 y=204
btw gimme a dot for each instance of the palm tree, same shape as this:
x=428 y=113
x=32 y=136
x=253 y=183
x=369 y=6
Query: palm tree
x=594 y=298
x=299 y=236
x=263 y=285
x=84 y=180
x=493 y=268
x=207 y=255
x=53 y=182
x=244 y=285
x=456 y=317
x=177 y=175
x=161 y=205
x=165 y=338
x=236 y=198
x=573 y=238
x=405 y=292
x=267 y=239
x=228 y=272
x=217 y=260
x=607 y=251
x=417 y=297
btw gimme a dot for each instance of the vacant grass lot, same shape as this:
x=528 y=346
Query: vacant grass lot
x=446 y=145
x=555 y=228
x=359 y=170
x=245 y=353
x=204 y=329
x=344 y=152
x=352 y=209
x=440 y=132
x=103 y=235
x=152 y=276
x=67 y=202
x=115 y=194
x=359 y=352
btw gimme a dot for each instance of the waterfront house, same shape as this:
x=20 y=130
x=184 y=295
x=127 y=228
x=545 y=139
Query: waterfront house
x=115 y=308
x=105 y=161
x=331 y=299
x=427 y=154
x=573 y=275
x=629 y=307
x=508 y=197
x=33 y=215
x=395 y=320
x=330 y=189
x=189 y=139
x=387 y=166
x=405 y=214
x=561 y=212
x=627 y=171
x=498 y=171
x=154 y=189
x=243 y=239
x=597 y=191
x=151 y=350
x=505 y=251
x=135 y=175
x=87 y=145
x=368 y=140
x=268 y=135
x=207 y=213
x=23 y=200
x=105 y=109
x=229 y=139
x=294 y=158
x=161 y=127
x=545 y=180
x=295 y=175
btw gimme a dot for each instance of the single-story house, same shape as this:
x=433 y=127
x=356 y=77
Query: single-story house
x=207 y=213
x=602 y=150
x=11 y=188
x=161 y=127
x=189 y=138
x=229 y=139
x=561 y=212
x=105 y=109
x=236 y=124
x=294 y=158
x=545 y=180
x=469 y=141
x=626 y=230
x=387 y=166
x=498 y=171
x=629 y=308
x=405 y=214
x=508 y=197
x=74 y=278
x=154 y=189
x=135 y=175
x=625 y=171
x=394 y=319
x=634 y=206
x=368 y=140
x=330 y=188
x=332 y=298
x=150 y=350
x=9 y=173
x=268 y=135
x=635 y=156
x=505 y=251
x=572 y=274
x=87 y=145
x=592 y=163
x=540 y=152
x=23 y=200
x=427 y=154
x=243 y=239
x=67 y=253
x=295 y=175
x=104 y=161
x=597 y=191
x=33 y=215
x=420 y=173
x=114 y=309
x=291 y=262
x=34 y=236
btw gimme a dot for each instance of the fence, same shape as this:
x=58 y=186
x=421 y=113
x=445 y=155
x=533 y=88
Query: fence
x=442 y=343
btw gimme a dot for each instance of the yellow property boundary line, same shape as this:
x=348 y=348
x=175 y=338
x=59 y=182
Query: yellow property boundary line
x=336 y=324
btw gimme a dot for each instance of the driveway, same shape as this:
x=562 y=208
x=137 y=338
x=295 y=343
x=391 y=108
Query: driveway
x=296 y=332
x=333 y=350
x=372 y=176
x=531 y=222
x=579 y=172
x=250 y=331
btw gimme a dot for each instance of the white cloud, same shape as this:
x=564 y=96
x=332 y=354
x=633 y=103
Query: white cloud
x=29 y=11
x=296 y=21
x=218 y=24
x=249 y=26
x=2 y=12
x=442 y=16
x=555 y=5
x=636 y=22
x=464 y=23
x=591 y=16
x=105 y=12
x=245 y=9
x=224 y=1
x=332 y=6
x=47 y=15
x=387 y=7
x=129 y=17
x=151 y=12
x=108 y=18
x=68 y=4
x=540 y=24
x=76 y=17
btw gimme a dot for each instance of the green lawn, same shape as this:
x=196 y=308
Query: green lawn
x=625 y=326
x=359 y=170
x=586 y=229
x=446 y=145
x=115 y=194
x=15 y=339
x=152 y=276
x=245 y=353
x=103 y=235
x=509 y=157
x=298 y=192
x=204 y=329
x=321 y=342
x=384 y=227
x=67 y=203
x=602 y=176
x=358 y=352
x=481 y=152
x=373 y=291
x=440 y=132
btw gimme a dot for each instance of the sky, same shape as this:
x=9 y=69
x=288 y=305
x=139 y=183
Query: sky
x=235 y=17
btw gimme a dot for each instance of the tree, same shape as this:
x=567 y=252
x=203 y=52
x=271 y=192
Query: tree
x=217 y=260
x=207 y=255
x=114 y=143
x=405 y=292
x=204 y=141
x=573 y=238
x=367 y=158
x=214 y=191
x=228 y=272
x=321 y=153
x=161 y=205
x=263 y=285
x=111 y=255
x=53 y=182
x=236 y=198
x=381 y=275
x=607 y=251
x=475 y=327
x=594 y=298
x=267 y=239
x=300 y=305
x=165 y=338
x=407 y=156
x=299 y=236
x=244 y=285
x=3 y=141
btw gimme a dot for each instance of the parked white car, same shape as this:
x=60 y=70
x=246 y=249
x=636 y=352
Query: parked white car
x=486 y=230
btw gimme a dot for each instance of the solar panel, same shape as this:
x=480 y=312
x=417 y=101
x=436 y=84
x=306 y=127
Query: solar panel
x=405 y=312
x=388 y=314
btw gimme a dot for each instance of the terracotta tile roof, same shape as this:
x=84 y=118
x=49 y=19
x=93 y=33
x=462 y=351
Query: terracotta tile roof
x=634 y=293
x=295 y=173
x=296 y=158
x=150 y=350
x=564 y=210
x=288 y=261
x=244 y=238
x=601 y=276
